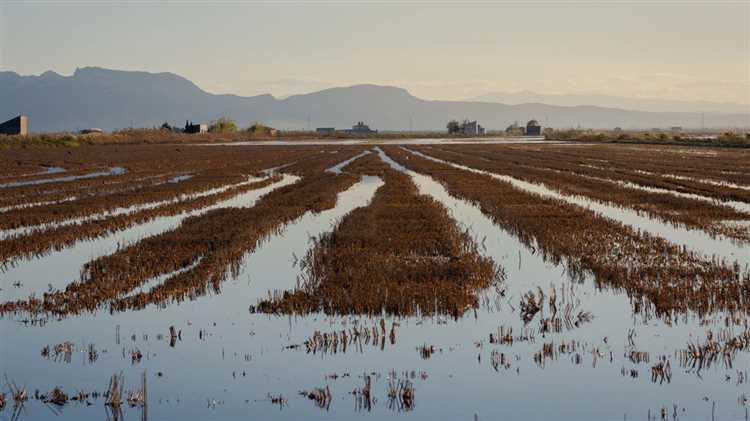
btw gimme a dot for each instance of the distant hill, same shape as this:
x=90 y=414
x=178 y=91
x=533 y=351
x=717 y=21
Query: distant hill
x=111 y=99
x=609 y=101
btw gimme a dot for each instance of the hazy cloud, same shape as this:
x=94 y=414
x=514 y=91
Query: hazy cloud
x=429 y=49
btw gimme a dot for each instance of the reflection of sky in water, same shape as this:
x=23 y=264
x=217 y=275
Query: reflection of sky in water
x=338 y=168
x=45 y=171
x=26 y=230
x=60 y=267
x=33 y=204
x=82 y=190
x=695 y=240
x=179 y=178
x=111 y=171
x=738 y=206
x=458 y=384
x=421 y=141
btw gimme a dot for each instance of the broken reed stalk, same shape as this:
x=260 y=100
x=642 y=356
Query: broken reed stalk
x=401 y=394
x=115 y=395
x=357 y=337
x=363 y=399
x=18 y=394
x=321 y=396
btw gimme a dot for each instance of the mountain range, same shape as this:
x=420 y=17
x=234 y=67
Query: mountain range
x=111 y=99
x=611 y=101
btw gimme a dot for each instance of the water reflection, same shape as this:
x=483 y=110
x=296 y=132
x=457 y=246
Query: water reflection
x=695 y=240
x=281 y=255
x=45 y=171
x=55 y=270
x=336 y=169
x=27 y=230
x=418 y=141
x=228 y=362
x=110 y=172
x=34 y=204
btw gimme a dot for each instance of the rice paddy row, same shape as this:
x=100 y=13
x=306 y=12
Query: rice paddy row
x=671 y=278
x=203 y=178
x=402 y=254
x=622 y=189
x=395 y=261
x=701 y=163
x=43 y=240
x=218 y=238
x=145 y=166
x=639 y=263
x=698 y=171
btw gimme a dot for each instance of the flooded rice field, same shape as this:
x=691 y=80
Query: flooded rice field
x=518 y=281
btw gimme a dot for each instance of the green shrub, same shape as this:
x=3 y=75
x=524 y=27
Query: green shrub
x=223 y=125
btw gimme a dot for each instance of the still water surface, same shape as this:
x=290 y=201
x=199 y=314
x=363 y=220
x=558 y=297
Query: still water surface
x=228 y=360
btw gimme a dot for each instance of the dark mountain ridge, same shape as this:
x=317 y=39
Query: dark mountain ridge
x=111 y=99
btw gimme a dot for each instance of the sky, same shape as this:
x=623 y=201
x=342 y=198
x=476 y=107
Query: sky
x=684 y=50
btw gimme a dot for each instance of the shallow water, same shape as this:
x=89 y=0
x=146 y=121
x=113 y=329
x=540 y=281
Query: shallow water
x=125 y=210
x=719 y=183
x=45 y=171
x=35 y=204
x=741 y=207
x=158 y=280
x=338 y=168
x=179 y=178
x=738 y=206
x=420 y=141
x=174 y=180
x=53 y=170
x=57 y=269
x=111 y=171
x=695 y=240
x=228 y=360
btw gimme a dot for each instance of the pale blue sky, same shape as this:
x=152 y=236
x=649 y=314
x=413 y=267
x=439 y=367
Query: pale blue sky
x=446 y=50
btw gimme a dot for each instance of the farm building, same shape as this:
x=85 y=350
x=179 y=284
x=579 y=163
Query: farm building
x=533 y=128
x=472 y=128
x=361 y=128
x=15 y=126
x=195 y=128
